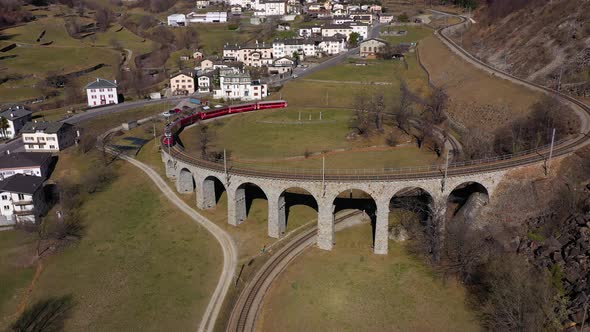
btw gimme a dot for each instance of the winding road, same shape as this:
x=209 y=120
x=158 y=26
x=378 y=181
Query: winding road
x=228 y=246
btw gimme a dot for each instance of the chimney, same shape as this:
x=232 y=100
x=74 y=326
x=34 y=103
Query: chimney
x=11 y=114
x=97 y=79
x=115 y=81
x=7 y=152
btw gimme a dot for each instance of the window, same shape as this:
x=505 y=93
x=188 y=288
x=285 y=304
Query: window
x=4 y=197
x=6 y=207
x=52 y=146
x=21 y=196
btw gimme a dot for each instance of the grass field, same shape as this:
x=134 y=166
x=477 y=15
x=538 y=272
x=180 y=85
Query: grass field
x=34 y=61
x=478 y=99
x=140 y=265
x=351 y=289
x=266 y=138
x=309 y=93
x=414 y=34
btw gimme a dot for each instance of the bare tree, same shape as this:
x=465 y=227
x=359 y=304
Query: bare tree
x=377 y=109
x=73 y=92
x=103 y=17
x=437 y=105
x=204 y=142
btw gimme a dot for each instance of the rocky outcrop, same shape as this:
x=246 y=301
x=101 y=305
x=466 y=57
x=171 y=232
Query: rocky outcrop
x=567 y=255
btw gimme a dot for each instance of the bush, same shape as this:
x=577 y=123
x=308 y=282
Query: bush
x=392 y=139
x=233 y=26
x=403 y=18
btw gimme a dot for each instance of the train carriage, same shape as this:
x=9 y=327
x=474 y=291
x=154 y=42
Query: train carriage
x=173 y=128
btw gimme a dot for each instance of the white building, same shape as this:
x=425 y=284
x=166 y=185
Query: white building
x=102 y=92
x=204 y=83
x=333 y=45
x=22 y=199
x=330 y=30
x=287 y=47
x=177 y=20
x=372 y=47
x=27 y=163
x=200 y=4
x=385 y=18
x=238 y=85
x=310 y=31
x=48 y=136
x=270 y=7
x=16 y=117
x=209 y=17
x=256 y=55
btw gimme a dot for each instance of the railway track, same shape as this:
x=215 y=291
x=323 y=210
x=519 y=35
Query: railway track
x=540 y=154
x=245 y=312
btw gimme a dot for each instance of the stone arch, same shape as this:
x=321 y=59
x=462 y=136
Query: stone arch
x=170 y=168
x=244 y=196
x=185 y=182
x=288 y=199
x=355 y=199
x=210 y=192
x=466 y=199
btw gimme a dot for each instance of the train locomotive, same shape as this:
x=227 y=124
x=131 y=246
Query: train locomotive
x=172 y=128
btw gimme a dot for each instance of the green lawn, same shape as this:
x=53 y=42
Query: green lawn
x=141 y=264
x=266 y=138
x=374 y=71
x=414 y=34
x=351 y=289
x=16 y=271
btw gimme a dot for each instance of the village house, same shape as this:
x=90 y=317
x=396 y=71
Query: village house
x=200 y=4
x=236 y=10
x=22 y=200
x=27 y=163
x=333 y=45
x=182 y=83
x=256 y=55
x=281 y=66
x=300 y=46
x=48 y=136
x=209 y=17
x=310 y=31
x=12 y=121
x=363 y=18
x=177 y=20
x=206 y=65
x=197 y=55
x=235 y=84
x=205 y=82
x=330 y=30
x=386 y=18
x=270 y=7
x=102 y=92
x=371 y=47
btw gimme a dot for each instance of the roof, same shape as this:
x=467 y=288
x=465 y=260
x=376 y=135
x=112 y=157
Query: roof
x=23 y=159
x=22 y=184
x=101 y=83
x=184 y=72
x=15 y=112
x=376 y=39
x=46 y=127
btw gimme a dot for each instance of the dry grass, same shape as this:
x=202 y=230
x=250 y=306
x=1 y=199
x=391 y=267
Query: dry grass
x=351 y=289
x=478 y=100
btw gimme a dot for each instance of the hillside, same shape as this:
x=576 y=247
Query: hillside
x=539 y=40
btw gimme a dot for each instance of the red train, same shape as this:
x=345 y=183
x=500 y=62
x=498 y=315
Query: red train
x=172 y=128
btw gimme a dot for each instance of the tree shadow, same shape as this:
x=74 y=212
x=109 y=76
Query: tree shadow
x=48 y=315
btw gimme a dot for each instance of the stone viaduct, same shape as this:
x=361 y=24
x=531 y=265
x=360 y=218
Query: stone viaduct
x=190 y=177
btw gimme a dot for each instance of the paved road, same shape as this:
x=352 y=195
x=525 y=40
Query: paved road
x=17 y=144
x=228 y=246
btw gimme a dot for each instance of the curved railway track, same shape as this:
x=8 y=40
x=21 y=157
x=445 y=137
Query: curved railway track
x=245 y=312
x=433 y=171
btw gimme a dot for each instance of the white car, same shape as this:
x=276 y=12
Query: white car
x=295 y=76
x=166 y=114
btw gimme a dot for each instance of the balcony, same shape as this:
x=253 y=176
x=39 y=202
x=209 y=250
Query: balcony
x=23 y=213
x=20 y=203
